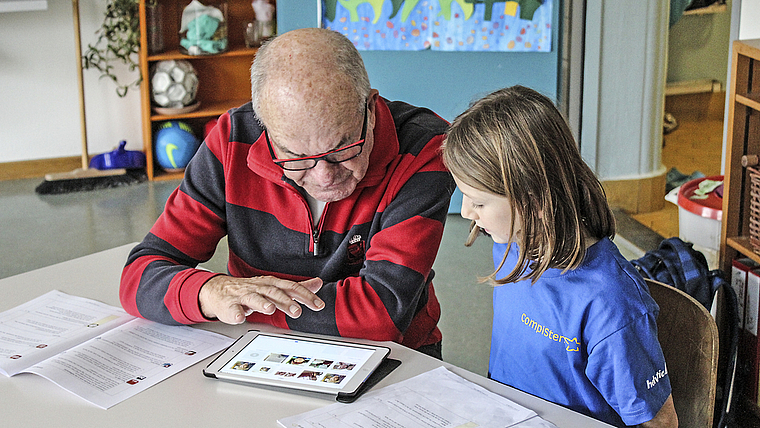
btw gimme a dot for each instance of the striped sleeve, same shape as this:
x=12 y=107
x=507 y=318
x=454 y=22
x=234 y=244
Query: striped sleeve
x=160 y=281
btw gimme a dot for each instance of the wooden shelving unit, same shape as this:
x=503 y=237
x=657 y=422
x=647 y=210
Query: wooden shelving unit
x=743 y=138
x=224 y=78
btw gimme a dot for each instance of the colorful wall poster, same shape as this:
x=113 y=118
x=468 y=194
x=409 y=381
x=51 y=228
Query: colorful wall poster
x=444 y=25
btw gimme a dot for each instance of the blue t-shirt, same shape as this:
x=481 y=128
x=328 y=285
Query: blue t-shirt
x=585 y=339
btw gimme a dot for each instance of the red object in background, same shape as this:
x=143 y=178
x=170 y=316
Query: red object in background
x=710 y=207
x=209 y=125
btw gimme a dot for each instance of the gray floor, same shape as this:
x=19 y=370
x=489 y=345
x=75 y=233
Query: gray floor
x=37 y=231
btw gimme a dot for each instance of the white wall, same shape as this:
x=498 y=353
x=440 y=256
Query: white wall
x=749 y=23
x=39 y=101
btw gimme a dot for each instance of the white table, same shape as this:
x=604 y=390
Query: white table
x=187 y=399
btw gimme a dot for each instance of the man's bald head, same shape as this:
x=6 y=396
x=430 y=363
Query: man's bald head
x=308 y=70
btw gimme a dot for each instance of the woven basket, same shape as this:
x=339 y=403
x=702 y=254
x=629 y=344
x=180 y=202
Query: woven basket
x=754 y=208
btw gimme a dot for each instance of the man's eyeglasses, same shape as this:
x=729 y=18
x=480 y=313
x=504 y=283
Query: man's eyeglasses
x=333 y=156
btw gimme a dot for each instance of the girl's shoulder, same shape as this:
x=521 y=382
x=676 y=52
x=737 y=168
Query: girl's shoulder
x=611 y=279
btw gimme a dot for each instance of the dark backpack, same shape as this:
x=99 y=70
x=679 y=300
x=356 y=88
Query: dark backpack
x=678 y=264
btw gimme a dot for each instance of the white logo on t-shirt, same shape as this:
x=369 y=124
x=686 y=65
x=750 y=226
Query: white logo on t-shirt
x=656 y=378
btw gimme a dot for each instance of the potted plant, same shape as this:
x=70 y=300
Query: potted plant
x=118 y=42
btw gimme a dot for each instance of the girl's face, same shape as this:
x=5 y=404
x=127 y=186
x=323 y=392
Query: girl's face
x=491 y=212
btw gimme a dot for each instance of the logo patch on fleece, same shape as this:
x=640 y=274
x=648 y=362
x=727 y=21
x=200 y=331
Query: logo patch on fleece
x=356 y=250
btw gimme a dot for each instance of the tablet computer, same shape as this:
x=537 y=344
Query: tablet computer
x=302 y=363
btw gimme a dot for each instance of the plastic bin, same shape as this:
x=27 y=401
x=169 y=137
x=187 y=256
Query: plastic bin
x=699 y=220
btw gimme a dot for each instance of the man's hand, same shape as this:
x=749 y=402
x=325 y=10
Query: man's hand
x=231 y=299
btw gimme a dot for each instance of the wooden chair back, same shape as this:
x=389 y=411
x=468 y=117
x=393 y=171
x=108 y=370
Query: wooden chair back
x=689 y=339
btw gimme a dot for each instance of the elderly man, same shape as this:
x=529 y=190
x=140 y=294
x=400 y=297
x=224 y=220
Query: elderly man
x=330 y=196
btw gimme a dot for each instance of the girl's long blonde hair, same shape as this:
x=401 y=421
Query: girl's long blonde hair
x=515 y=143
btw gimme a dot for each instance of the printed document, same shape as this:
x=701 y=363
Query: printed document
x=435 y=399
x=97 y=351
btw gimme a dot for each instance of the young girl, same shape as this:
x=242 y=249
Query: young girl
x=573 y=320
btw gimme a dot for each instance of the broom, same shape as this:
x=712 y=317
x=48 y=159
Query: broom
x=85 y=178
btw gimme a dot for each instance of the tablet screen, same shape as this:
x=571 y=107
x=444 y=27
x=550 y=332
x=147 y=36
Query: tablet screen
x=298 y=361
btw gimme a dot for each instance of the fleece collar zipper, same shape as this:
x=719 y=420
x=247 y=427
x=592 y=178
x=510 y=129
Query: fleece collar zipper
x=316 y=231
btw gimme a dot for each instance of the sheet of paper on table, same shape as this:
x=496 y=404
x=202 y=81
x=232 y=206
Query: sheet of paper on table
x=438 y=398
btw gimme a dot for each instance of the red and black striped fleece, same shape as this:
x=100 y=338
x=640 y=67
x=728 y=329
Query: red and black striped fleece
x=376 y=247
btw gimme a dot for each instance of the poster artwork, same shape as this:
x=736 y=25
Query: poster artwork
x=444 y=25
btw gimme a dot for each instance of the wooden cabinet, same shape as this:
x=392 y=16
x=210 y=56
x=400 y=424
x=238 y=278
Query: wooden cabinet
x=224 y=78
x=743 y=138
